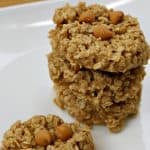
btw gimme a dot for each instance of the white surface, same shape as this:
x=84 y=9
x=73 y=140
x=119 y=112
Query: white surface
x=25 y=88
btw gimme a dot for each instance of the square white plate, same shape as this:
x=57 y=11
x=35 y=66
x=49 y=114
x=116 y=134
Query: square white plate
x=25 y=87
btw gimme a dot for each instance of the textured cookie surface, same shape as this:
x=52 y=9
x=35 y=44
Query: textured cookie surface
x=97 y=38
x=47 y=133
x=96 y=97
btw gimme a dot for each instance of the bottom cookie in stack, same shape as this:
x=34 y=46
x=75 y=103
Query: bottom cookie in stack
x=95 y=97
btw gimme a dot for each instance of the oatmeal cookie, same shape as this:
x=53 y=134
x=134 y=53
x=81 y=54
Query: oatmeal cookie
x=101 y=109
x=47 y=133
x=96 y=97
x=97 y=38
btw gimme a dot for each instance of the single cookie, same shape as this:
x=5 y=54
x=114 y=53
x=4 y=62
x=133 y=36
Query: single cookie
x=97 y=38
x=96 y=97
x=47 y=133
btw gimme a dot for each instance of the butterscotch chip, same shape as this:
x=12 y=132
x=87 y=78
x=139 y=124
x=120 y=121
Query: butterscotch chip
x=43 y=138
x=116 y=16
x=63 y=132
x=103 y=32
x=87 y=16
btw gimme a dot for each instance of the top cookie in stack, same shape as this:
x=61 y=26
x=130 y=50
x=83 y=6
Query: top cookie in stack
x=100 y=39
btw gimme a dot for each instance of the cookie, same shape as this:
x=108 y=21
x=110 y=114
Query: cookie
x=96 y=97
x=47 y=133
x=97 y=38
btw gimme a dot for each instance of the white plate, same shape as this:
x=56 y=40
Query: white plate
x=25 y=87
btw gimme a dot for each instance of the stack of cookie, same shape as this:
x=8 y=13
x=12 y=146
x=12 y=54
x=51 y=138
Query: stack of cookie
x=96 y=64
